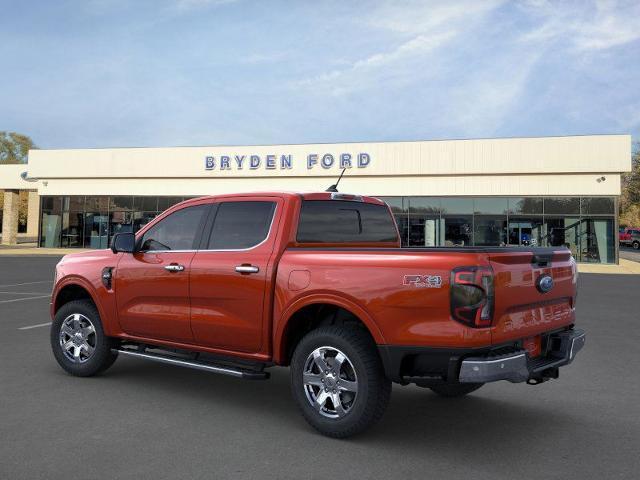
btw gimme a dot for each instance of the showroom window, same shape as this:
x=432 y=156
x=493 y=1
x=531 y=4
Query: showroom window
x=585 y=224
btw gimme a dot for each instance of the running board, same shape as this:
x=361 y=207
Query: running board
x=207 y=367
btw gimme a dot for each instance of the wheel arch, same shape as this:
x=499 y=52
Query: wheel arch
x=313 y=311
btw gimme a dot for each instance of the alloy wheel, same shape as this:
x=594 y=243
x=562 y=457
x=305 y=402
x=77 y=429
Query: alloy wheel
x=77 y=338
x=330 y=382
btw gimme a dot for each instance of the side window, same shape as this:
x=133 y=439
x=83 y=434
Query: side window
x=240 y=225
x=176 y=232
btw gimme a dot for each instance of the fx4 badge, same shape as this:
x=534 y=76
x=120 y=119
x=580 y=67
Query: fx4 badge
x=423 y=281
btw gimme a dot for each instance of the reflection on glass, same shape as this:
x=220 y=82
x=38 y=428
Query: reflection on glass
x=525 y=206
x=140 y=219
x=491 y=206
x=395 y=203
x=72 y=226
x=525 y=232
x=563 y=231
x=403 y=229
x=597 y=206
x=490 y=231
x=121 y=222
x=597 y=241
x=51 y=222
x=458 y=231
x=561 y=205
x=145 y=204
x=166 y=202
x=430 y=205
x=426 y=231
x=457 y=206
x=96 y=230
x=120 y=203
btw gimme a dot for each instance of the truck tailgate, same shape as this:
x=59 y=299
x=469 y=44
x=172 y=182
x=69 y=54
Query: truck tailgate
x=522 y=308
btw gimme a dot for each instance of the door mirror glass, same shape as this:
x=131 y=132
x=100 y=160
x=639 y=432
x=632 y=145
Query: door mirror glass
x=123 y=242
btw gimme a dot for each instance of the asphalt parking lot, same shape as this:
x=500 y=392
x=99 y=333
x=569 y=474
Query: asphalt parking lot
x=629 y=253
x=146 y=420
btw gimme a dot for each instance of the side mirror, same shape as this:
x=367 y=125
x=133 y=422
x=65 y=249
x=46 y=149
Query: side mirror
x=123 y=242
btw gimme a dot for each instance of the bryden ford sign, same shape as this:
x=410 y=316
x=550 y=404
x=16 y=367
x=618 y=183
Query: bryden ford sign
x=285 y=162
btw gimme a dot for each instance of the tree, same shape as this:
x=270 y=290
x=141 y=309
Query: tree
x=630 y=198
x=14 y=147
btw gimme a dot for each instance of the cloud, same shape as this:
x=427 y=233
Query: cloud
x=605 y=25
x=363 y=72
x=419 y=29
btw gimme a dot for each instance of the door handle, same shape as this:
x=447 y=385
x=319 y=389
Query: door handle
x=174 y=267
x=247 y=269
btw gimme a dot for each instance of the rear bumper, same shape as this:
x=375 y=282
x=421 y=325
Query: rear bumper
x=428 y=366
x=517 y=367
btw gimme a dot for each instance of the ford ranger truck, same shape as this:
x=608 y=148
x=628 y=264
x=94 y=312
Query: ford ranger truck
x=237 y=284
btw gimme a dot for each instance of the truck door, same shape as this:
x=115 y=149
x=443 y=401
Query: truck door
x=152 y=285
x=229 y=274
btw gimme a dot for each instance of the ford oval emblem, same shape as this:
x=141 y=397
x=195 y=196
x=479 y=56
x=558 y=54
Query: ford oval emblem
x=544 y=283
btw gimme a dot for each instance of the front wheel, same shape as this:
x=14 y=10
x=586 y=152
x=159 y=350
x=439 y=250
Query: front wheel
x=338 y=382
x=78 y=340
x=455 y=389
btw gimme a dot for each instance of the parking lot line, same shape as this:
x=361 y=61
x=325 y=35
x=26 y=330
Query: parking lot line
x=35 y=326
x=22 y=299
x=26 y=283
x=24 y=293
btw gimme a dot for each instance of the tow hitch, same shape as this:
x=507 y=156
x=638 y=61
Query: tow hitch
x=548 y=374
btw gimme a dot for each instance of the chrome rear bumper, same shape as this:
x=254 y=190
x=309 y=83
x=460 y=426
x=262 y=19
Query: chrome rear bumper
x=517 y=367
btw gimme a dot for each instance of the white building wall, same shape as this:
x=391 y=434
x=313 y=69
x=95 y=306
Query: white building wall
x=514 y=166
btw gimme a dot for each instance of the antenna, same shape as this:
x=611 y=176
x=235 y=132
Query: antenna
x=334 y=187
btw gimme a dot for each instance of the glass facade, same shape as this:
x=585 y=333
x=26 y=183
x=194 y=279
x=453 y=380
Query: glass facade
x=586 y=225
x=91 y=222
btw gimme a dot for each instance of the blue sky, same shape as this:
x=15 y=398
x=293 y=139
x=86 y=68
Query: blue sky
x=204 y=72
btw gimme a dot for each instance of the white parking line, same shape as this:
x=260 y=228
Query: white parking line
x=24 y=293
x=35 y=326
x=22 y=299
x=26 y=283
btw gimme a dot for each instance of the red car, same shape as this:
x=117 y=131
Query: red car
x=237 y=284
x=629 y=237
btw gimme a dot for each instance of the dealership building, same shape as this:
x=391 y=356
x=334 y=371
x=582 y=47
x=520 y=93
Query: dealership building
x=485 y=192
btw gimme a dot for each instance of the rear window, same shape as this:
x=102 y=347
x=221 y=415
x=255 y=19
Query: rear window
x=337 y=221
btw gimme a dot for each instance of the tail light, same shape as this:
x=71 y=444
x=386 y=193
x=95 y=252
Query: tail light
x=472 y=296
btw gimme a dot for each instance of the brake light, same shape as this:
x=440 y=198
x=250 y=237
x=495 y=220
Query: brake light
x=472 y=296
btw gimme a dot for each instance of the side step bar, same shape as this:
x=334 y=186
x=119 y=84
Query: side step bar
x=207 y=367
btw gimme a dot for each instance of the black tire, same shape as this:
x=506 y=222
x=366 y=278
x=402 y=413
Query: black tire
x=455 y=389
x=373 y=388
x=100 y=359
x=636 y=245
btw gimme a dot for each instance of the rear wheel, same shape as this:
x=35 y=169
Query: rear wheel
x=636 y=245
x=338 y=381
x=455 y=389
x=78 y=340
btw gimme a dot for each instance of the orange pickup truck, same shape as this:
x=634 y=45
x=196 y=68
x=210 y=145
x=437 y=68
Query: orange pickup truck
x=236 y=284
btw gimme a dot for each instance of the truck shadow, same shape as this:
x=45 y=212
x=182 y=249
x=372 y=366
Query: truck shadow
x=415 y=419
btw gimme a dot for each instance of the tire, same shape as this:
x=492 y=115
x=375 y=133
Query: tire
x=455 y=389
x=353 y=363
x=85 y=355
x=636 y=245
